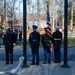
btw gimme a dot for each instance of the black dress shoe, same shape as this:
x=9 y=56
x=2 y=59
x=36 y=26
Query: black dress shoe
x=44 y=63
x=49 y=62
x=55 y=62
x=11 y=62
x=7 y=63
x=37 y=63
x=59 y=61
x=32 y=64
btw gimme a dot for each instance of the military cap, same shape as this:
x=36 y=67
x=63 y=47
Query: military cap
x=34 y=26
x=57 y=27
x=45 y=28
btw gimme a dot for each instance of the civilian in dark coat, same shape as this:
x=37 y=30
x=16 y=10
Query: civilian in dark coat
x=57 y=37
x=34 y=39
x=20 y=35
x=8 y=42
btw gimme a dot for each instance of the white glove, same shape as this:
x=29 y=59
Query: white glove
x=14 y=44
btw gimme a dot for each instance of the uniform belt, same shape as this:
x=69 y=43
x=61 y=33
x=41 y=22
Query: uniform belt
x=56 y=39
x=47 y=41
x=34 y=40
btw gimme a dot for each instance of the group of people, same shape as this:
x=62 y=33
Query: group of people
x=47 y=43
x=17 y=32
x=34 y=38
x=9 y=39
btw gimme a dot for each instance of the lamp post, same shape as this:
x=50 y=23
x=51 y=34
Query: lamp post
x=65 y=33
x=24 y=35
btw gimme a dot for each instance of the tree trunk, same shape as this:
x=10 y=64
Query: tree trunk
x=28 y=20
x=38 y=15
x=4 y=13
x=72 y=6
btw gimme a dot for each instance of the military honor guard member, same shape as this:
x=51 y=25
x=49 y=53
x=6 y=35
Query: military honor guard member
x=57 y=37
x=34 y=40
x=46 y=41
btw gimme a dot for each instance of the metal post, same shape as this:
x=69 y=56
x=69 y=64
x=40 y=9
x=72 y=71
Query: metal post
x=65 y=33
x=24 y=35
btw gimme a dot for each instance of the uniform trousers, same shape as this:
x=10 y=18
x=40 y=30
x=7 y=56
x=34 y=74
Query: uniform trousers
x=9 y=55
x=47 y=55
x=35 y=55
x=57 y=54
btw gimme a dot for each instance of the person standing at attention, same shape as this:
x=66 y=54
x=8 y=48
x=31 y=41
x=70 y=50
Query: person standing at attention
x=34 y=39
x=8 y=42
x=57 y=37
x=46 y=41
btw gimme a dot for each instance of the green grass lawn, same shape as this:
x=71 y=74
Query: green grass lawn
x=71 y=41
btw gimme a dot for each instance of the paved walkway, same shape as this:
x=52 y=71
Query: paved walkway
x=53 y=69
x=41 y=69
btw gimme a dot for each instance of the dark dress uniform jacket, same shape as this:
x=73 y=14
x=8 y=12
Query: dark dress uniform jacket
x=34 y=39
x=46 y=40
x=9 y=40
x=57 y=36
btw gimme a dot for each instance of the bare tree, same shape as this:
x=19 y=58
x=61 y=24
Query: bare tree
x=72 y=7
x=28 y=15
x=11 y=9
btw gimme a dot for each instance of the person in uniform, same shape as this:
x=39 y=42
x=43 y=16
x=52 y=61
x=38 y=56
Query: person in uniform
x=46 y=41
x=34 y=39
x=8 y=42
x=57 y=37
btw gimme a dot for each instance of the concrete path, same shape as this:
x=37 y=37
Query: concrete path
x=41 y=69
